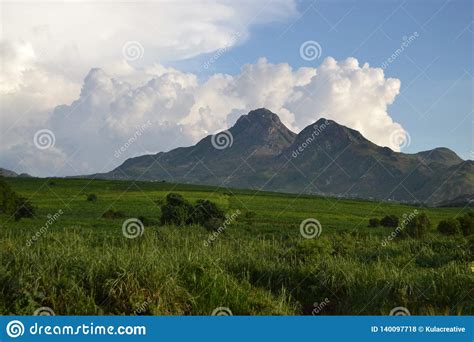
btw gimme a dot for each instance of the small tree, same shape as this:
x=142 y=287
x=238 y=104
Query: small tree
x=91 y=197
x=176 y=210
x=467 y=223
x=205 y=210
x=23 y=208
x=389 y=221
x=374 y=222
x=449 y=227
x=417 y=227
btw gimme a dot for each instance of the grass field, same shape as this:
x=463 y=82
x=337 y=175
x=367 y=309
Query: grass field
x=260 y=264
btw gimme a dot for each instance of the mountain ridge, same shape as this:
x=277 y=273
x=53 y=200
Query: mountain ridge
x=325 y=158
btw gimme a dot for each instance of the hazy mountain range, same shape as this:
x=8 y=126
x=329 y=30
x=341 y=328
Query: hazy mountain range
x=325 y=158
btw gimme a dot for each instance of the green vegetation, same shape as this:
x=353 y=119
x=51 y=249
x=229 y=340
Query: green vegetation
x=389 y=221
x=449 y=227
x=92 y=198
x=374 y=222
x=12 y=204
x=83 y=264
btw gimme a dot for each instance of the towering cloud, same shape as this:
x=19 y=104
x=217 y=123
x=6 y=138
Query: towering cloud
x=177 y=110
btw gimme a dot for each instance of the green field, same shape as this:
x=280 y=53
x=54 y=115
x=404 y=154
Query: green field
x=82 y=264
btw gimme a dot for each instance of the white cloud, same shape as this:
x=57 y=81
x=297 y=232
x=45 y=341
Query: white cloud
x=182 y=110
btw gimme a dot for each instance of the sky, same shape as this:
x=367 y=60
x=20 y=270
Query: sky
x=86 y=85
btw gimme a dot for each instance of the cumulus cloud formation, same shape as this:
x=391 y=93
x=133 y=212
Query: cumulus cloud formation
x=46 y=51
x=177 y=110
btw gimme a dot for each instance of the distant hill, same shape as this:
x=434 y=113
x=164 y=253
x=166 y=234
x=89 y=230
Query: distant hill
x=9 y=173
x=325 y=158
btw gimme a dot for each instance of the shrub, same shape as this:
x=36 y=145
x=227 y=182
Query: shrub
x=113 y=214
x=374 y=222
x=12 y=204
x=417 y=227
x=176 y=210
x=91 y=197
x=205 y=210
x=449 y=227
x=389 y=221
x=467 y=223
x=214 y=224
x=23 y=208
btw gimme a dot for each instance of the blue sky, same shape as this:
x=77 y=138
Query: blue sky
x=435 y=70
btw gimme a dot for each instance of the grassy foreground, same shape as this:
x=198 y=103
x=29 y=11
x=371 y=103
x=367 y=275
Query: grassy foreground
x=79 y=263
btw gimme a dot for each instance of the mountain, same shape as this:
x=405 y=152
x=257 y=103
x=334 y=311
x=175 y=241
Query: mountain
x=9 y=173
x=325 y=158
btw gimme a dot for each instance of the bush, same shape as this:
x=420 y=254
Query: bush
x=179 y=211
x=417 y=227
x=176 y=210
x=467 y=223
x=113 y=214
x=214 y=224
x=91 y=197
x=449 y=227
x=389 y=221
x=205 y=210
x=374 y=222
x=12 y=204
x=23 y=208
